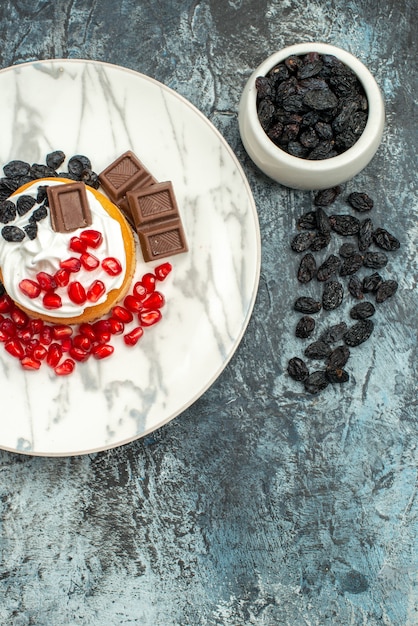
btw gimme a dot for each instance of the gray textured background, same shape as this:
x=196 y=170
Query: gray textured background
x=259 y=505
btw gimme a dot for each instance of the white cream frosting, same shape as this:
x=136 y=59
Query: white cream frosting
x=19 y=260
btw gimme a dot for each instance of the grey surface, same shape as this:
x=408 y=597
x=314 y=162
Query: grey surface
x=260 y=504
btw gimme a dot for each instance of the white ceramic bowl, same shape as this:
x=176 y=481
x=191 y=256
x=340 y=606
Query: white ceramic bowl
x=296 y=172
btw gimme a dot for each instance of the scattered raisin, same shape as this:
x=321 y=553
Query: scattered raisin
x=372 y=282
x=306 y=304
x=15 y=169
x=24 y=204
x=7 y=211
x=365 y=234
x=385 y=290
x=358 y=333
x=297 y=369
x=351 y=265
x=307 y=221
x=325 y=197
x=307 y=268
x=347 y=249
x=12 y=233
x=345 y=224
x=332 y=295
x=360 y=201
x=375 y=260
x=355 y=287
x=302 y=241
x=316 y=382
x=338 y=357
x=55 y=159
x=337 y=375
x=318 y=350
x=333 y=333
x=320 y=241
x=322 y=220
x=385 y=240
x=329 y=267
x=305 y=327
x=362 y=310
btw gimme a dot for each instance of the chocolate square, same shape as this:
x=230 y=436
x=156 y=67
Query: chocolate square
x=68 y=207
x=125 y=173
x=157 y=202
x=162 y=238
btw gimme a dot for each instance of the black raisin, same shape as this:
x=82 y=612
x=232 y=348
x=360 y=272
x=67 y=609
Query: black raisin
x=316 y=382
x=39 y=214
x=372 y=282
x=332 y=295
x=385 y=240
x=333 y=333
x=325 y=197
x=338 y=357
x=365 y=234
x=39 y=170
x=345 y=224
x=307 y=305
x=7 y=211
x=375 y=260
x=320 y=241
x=355 y=287
x=307 y=268
x=14 y=169
x=362 y=310
x=12 y=233
x=347 y=249
x=337 y=375
x=31 y=230
x=329 y=267
x=302 y=241
x=77 y=164
x=318 y=350
x=322 y=221
x=351 y=265
x=305 y=327
x=307 y=221
x=24 y=204
x=55 y=159
x=297 y=369
x=385 y=290
x=360 y=201
x=359 y=332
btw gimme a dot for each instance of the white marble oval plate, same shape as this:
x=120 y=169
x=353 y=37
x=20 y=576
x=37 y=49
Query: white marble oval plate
x=101 y=110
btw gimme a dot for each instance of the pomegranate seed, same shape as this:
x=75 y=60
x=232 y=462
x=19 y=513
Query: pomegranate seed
x=30 y=346
x=77 y=245
x=82 y=342
x=148 y=280
x=102 y=351
x=133 y=336
x=92 y=238
x=122 y=314
x=46 y=281
x=133 y=304
x=66 y=344
x=78 y=354
x=102 y=331
x=116 y=326
x=62 y=277
x=54 y=354
x=163 y=270
x=88 y=331
x=39 y=352
x=140 y=291
x=96 y=290
x=61 y=331
x=65 y=368
x=6 y=303
x=35 y=326
x=20 y=318
x=154 y=301
x=148 y=318
x=3 y=335
x=30 y=288
x=77 y=293
x=72 y=264
x=30 y=363
x=15 y=348
x=45 y=336
x=89 y=262
x=52 y=300
x=111 y=266
x=24 y=335
x=8 y=327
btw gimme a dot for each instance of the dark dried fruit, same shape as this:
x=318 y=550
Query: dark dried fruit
x=24 y=204
x=358 y=333
x=307 y=221
x=316 y=382
x=347 y=249
x=302 y=241
x=77 y=164
x=362 y=310
x=337 y=375
x=372 y=282
x=333 y=333
x=305 y=327
x=351 y=265
x=12 y=233
x=31 y=230
x=15 y=169
x=338 y=357
x=329 y=267
x=385 y=240
x=385 y=290
x=318 y=350
x=332 y=295
x=55 y=159
x=365 y=234
x=322 y=220
x=297 y=369
x=39 y=214
x=345 y=224
x=320 y=241
x=355 y=287
x=360 y=201
x=375 y=260
x=307 y=268
x=307 y=305
x=7 y=211
x=325 y=197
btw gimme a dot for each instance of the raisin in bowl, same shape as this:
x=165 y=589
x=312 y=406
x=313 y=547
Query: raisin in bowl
x=311 y=116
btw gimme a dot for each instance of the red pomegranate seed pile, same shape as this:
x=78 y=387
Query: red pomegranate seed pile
x=60 y=346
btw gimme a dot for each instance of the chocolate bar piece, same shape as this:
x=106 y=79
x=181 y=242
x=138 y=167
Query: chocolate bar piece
x=68 y=207
x=154 y=203
x=125 y=173
x=162 y=238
